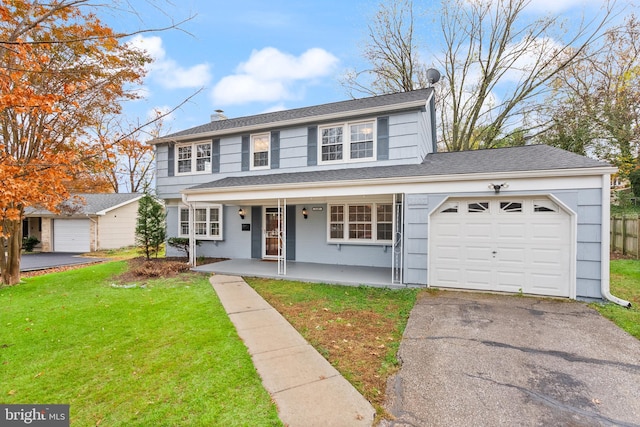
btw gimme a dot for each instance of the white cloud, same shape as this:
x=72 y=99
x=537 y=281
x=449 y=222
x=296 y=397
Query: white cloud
x=555 y=6
x=533 y=54
x=160 y=110
x=549 y=6
x=166 y=71
x=274 y=108
x=270 y=75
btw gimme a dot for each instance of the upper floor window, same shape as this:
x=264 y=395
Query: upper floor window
x=194 y=158
x=347 y=142
x=260 y=151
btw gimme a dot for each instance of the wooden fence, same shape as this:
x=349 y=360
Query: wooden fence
x=624 y=235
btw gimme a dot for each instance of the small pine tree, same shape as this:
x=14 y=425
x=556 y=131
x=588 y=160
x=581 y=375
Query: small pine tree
x=634 y=179
x=150 y=227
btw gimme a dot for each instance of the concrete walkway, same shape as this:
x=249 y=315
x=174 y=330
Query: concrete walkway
x=307 y=390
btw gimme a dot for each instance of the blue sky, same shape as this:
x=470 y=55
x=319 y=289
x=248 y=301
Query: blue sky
x=251 y=56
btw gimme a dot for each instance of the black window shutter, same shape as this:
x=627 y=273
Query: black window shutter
x=171 y=159
x=215 y=156
x=312 y=146
x=291 y=232
x=245 y=153
x=256 y=232
x=383 y=138
x=275 y=149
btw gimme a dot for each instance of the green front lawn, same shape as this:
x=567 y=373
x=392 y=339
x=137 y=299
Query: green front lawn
x=164 y=354
x=357 y=329
x=625 y=284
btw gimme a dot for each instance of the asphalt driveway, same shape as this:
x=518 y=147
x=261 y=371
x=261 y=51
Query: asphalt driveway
x=494 y=360
x=42 y=261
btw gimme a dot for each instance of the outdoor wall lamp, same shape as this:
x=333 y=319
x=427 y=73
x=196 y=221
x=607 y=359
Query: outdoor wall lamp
x=241 y=213
x=498 y=187
x=305 y=213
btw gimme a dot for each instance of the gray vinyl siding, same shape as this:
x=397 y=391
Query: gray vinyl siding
x=230 y=154
x=425 y=139
x=407 y=142
x=586 y=203
x=161 y=159
x=589 y=254
x=293 y=148
x=403 y=137
x=235 y=244
x=416 y=237
x=310 y=239
x=312 y=246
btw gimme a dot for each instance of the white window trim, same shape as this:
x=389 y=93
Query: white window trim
x=374 y=225
x=346 y=142
x=194 y=158
x=251 y=151
x=208 y=207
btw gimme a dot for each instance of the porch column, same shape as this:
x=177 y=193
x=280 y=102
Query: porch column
x=192 y=237
x=282 y=235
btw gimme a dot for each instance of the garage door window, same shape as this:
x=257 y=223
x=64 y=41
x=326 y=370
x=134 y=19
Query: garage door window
x=478 y=207
x=449 y=207
x=511 y=207
x=544 y=206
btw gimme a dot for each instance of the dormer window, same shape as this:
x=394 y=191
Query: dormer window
x=347 y=142
x=193 y=158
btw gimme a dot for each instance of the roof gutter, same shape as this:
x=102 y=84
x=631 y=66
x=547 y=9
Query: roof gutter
x=292 y=122
x=605 y=248
x=409 y=180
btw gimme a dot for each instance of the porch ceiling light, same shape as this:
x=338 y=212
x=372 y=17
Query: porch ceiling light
x=305 y=213
x=241 y=213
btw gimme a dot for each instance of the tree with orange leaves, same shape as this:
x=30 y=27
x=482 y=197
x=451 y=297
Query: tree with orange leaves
x=61 y=69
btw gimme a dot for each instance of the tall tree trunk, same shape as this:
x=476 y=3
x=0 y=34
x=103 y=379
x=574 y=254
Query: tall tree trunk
x=10 y=252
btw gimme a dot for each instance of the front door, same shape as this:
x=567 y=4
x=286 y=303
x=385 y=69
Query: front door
x=272 y=232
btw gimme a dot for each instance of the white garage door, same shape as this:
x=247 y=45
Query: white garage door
x=502 y=244
x=71 y=235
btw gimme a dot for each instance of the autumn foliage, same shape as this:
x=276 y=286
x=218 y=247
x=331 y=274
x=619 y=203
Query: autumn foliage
x=61 y=69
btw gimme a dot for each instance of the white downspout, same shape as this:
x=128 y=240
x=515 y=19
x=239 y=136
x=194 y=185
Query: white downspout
x=606 y=244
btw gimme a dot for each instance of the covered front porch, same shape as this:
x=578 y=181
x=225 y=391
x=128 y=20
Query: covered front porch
x=305 y=272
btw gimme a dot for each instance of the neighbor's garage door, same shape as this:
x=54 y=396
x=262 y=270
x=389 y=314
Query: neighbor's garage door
x=71 y=235
x=512 y=245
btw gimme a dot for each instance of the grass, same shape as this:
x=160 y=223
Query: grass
x=625 y=284
x=163 y=354
x=357 y=329
x=167 y=354
x=121 y=253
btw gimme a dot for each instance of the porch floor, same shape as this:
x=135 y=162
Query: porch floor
x=304 y=272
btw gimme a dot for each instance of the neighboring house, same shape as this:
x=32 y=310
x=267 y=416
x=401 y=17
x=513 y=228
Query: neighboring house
x=86 y=222
x=360 y=183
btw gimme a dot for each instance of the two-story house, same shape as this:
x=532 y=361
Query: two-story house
x=360 y=183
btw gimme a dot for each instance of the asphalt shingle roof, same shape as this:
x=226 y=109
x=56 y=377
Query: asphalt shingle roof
x=351 y=106
x=513 y=159
x=90 y=204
